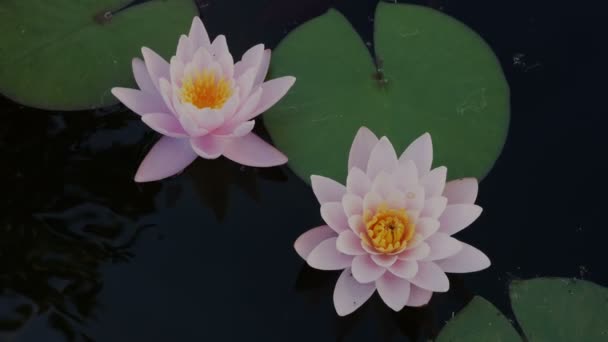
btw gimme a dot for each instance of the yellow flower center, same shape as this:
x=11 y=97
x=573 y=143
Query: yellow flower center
x=388 y=230
x=205 y=90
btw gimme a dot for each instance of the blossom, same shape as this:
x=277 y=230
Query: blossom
x=203 y=104
x=390 y=228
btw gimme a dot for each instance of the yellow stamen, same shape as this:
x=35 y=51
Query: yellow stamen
x=203 y=90
x=387 y=230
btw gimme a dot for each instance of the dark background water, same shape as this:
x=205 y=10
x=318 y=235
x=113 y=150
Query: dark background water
x=87 y=254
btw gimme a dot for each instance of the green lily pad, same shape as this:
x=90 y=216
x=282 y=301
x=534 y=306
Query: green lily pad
x=547 y=309
x=68 y=54
x=437 y=76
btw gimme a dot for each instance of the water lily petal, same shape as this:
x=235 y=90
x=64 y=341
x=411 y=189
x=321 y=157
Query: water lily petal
x=383 y=184
x=333 y=214
x=393 y=290
x=251 y=150
x=166 y=91
x=461 y=191
x=349 y=294
x=263 y=69
x=365 y=270
x=142 y=77
x=384 y=260
x=353 y=204
x=405 y=269
x=421 y=153
x=418 y=296
x=395 y=199
x=219 y=46
x=327 y=258
x=457 y=217
x=245 y=83
x=157 y=67
x=207 y=146
x=355 y=222
x=176 y=70
x=406 y=174
x=272 y=92
x=431 y=277
x=198 y=34
x=469 y=259
x=326 y=189
x=414 y=197
x=434 y=181
x=421 y=251
x=252 y=59
x=140 y=102
x=426 y=227
x=442 y=246
x=243 y=129
x=349 y=243
x=165 y=124
x=371 y=201
x=185 y=49
x=382 y=158
x=311 y=239
x=434 y=207
x=166 y=158
x=360 y=150
x=357 y=182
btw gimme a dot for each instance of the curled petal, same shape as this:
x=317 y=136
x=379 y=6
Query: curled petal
x=243 y=129
x=166 y=158
x=272 y=92
x=418 y=296
x=431 y=277
x=327 y=189
x=142 y=77
x=349 y=294
x=333 y=214
x=461 y=191
x=421 y=153
x=311 y=239
x=382 y=158
x=326 y=257
x=469 y=259
x=361 y=149
x=349 y=243
x=157 y=67
x=165 y=124
x=365 y=270
x=263 y=69
x=434 y=181
x=457 y=217
x=251 y=150
x=208 y=146
x=140 y=102
x=393 y=290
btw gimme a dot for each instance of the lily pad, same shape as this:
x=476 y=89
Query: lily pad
x=547 y=309
x=435 y=75
x=67 y=54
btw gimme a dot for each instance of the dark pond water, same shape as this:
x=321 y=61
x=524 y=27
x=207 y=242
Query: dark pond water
x=87 y=254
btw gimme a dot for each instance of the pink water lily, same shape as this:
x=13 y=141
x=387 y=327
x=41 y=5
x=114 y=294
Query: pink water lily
x=203 y=103
x=390 y=228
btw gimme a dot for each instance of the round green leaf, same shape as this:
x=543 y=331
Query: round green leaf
x=68 y=54
x=479 y=321
x=561 y=309
x=437 y=76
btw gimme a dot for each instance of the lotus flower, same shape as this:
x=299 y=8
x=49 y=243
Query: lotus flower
x=390 y=228
x=203 y=103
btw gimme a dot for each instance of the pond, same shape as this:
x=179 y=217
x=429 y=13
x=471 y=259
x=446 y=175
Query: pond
x=88 y=254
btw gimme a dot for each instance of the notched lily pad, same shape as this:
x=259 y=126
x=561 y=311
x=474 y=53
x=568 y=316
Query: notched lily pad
x=435 y=75
x=547 y=309
x=66 y=54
